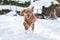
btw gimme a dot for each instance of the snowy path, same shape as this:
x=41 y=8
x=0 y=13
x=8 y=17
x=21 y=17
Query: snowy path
x=11 y=28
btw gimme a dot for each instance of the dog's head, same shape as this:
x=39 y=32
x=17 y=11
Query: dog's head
x=27 y=12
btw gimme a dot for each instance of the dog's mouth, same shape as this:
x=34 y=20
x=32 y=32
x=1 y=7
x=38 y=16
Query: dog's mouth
x=28 y=17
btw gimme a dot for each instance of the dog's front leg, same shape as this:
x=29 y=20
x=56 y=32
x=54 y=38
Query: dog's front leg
x=26 y=25
x=32 y=25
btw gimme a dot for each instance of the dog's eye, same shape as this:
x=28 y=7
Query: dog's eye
x=25 y=11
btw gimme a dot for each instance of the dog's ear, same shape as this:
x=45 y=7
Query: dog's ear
x=32 y=9
x=22 y=12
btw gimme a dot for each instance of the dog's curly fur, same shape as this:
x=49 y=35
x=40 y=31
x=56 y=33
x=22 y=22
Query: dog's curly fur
x=29 y=18
x=53 y=14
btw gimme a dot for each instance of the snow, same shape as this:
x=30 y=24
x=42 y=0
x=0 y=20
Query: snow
x=11 y=28
x=12 y=13
x=11 y=7
x=21 y=1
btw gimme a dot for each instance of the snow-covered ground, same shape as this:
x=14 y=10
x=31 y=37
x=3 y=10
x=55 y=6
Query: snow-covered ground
x=21 y=1
x=11 y=28
x=11 y=7
x=12 y=13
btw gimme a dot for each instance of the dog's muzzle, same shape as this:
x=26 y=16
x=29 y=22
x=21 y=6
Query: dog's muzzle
x=28 y=17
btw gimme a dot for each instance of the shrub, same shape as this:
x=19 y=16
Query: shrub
x=26 y=4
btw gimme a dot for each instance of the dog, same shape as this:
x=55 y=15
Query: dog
x=53 y=14
x=29 y=18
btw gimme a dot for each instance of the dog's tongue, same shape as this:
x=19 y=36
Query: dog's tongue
x=28 y=17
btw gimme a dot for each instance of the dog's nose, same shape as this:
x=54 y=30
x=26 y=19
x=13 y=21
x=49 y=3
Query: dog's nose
x=28 y=15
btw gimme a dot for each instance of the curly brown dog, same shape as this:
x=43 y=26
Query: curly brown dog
x=53 y=14
x=29 y=18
